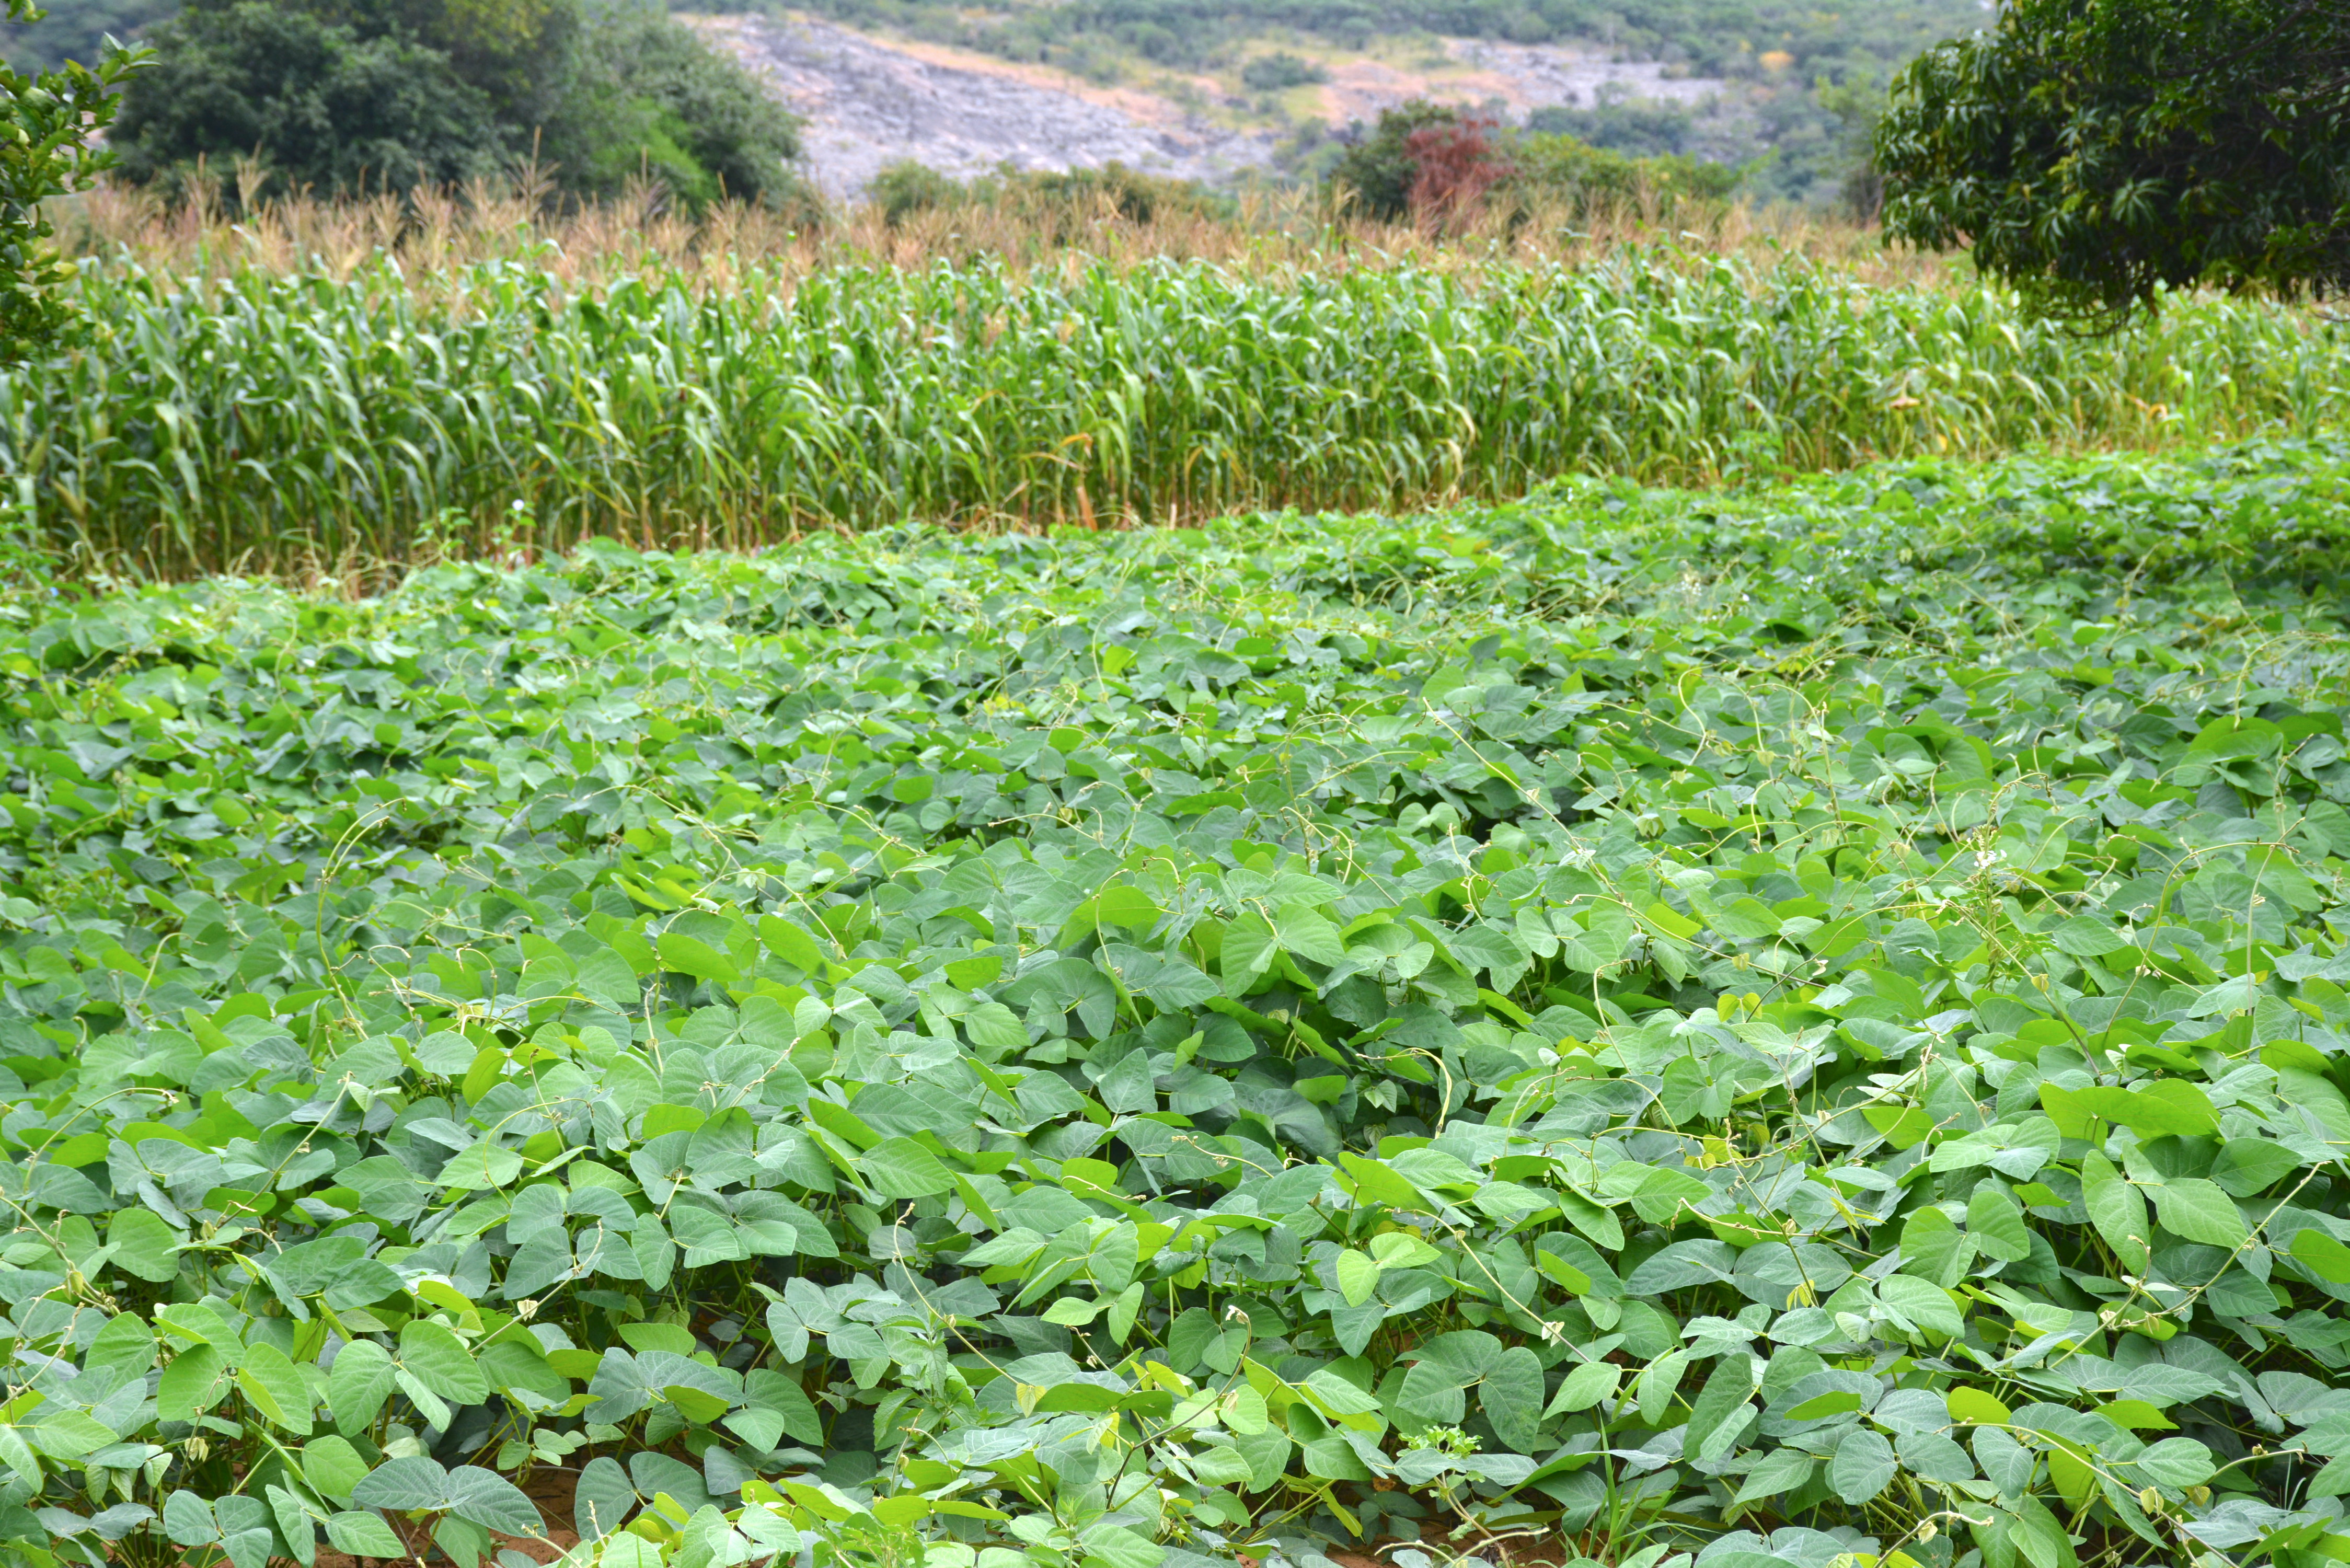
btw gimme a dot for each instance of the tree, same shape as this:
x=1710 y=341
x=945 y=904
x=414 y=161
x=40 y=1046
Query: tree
x=319 y=105
x=905 y=187
x=45 y=150
x=346 y=95
x=1441 y=165
x=1379 y=168
x=1858 y=105
x=1455 y=165
x=728 y=134
x=1061 y=204
x=1280 y=71
x=2095 y=153
x=1636 y=130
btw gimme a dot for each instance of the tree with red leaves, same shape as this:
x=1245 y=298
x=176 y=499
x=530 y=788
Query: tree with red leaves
x=1456 y=164
x=1441 y=167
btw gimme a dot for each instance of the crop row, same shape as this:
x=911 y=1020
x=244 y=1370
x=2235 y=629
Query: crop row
x=1767 y=1029
x=280 y=422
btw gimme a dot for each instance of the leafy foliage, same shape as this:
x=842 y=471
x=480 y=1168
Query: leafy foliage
x=1757 y=1025
x=1379 y=168
x=320 y=105
x=350 y=98
x=1455 y=166
x=46 y=118
x=1063 y=204
x=1556 y=171
x=1638 y=130
x=1281 y=70
x=720 y=131
x=902 y=189
x=1438 y=163
x=2099 y=154
x=75 y=30
x=207 y=428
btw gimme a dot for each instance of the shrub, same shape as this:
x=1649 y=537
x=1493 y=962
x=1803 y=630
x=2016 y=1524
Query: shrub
x=1433 y=160
x=1135 y=196
x=1639 y=129
x=734 y=135
x=1061 y=200
x=1379 y=169
x=906 y=187
x=1454 y=166
x=1562 y=171
x=1280 y=72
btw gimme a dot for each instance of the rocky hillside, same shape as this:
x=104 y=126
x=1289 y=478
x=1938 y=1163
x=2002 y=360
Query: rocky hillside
x=870 y=102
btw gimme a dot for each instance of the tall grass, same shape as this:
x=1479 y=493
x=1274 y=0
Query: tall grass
x=275 y=421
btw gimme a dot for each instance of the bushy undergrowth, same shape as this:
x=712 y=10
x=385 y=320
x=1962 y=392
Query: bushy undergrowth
x=1064 y=205
x=1771 y=1028
x=280 y=421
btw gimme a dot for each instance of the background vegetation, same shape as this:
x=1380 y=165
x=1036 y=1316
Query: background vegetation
x=1799 y=143
x=390 y=94
x=1449 y=168
x=77 y=31
x=1793 y=142
x=1058 y=207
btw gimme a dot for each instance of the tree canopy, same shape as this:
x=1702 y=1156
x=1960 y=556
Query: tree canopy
x=342 y=95
x=46 y=118
x=2097 y=152
x=321 y=104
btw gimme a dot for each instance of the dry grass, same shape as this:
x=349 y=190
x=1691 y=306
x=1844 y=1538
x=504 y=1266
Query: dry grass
x=432 y=234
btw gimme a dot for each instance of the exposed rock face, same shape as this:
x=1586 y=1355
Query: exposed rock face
x=870 y=104
x=1536 y=76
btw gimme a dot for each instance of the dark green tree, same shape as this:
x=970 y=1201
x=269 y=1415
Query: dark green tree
x=688 y=113
x=1280 y=71
x=320 y=105
x=1636 y=129
x=1562 y=171
x=45 y=151
x=2095 y=153
x=345 y=95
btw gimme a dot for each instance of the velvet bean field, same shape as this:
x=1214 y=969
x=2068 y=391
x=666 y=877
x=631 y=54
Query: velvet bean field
x=1795 y=1027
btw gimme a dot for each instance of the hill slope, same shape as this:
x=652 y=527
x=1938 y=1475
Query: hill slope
x=1209 y=86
